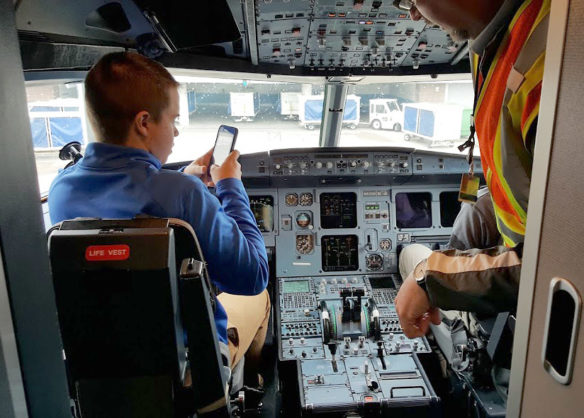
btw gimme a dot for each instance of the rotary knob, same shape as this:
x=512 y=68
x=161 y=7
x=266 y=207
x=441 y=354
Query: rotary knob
x=277 y=166
x=353 y=163
x=366 y=164
x=302 y=165
x=329 y=165
x=318 y=164
x=391 y=164
x=404 y=165
x=290 y=166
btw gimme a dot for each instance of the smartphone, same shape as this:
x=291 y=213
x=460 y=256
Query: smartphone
x=224 y=144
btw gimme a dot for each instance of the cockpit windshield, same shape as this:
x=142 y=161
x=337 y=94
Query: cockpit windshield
x=272 y=114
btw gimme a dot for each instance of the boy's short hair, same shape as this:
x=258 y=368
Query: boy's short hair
x=118 y=87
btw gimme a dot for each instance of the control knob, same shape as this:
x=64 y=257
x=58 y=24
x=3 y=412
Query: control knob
x=302 y=165
x=318 y=164
x=404 y=165
x=290 y=166
x=366 y=164
x=353 y=163
x=391 y=164
x=329 y=165
x=277 y=166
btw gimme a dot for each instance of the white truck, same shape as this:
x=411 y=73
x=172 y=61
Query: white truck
x=290 y=104
x=385 y=114
x=242 y=106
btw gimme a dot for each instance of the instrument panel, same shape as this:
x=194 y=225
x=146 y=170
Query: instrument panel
x=336 y=221
x=318 y=224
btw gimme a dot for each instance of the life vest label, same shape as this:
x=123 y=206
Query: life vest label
x=107 y=252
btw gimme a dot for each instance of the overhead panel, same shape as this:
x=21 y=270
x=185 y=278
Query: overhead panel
x=330 y=34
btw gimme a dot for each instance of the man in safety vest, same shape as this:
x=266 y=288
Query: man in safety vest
x=507 y=55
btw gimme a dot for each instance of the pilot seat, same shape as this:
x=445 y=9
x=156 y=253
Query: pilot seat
x=135 y=308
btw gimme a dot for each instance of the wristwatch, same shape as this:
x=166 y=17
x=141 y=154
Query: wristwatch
x=422 y=283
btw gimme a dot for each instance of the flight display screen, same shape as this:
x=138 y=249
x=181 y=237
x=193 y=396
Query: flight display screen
x=338 y=210
x=449 y=208
x=296 y=286
x=262 y=208
x=340 y=252
x=413 y=210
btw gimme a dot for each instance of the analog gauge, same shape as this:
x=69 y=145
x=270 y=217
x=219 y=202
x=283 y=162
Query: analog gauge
x=374 y=262
x=304 y=244
x=291 y=199
x=385 y=244
x=303 y=219
x=306 y=199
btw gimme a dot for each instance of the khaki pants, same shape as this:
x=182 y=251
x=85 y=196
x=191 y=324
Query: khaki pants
x=247 y=325
x=410 y=257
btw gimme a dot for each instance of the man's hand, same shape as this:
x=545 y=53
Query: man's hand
x=230 y=169
x=198 y=168
x=413 y=307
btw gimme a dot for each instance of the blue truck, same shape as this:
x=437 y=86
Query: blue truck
x=310 y=111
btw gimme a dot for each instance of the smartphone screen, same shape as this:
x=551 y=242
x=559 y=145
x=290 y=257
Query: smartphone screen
x=224 y=143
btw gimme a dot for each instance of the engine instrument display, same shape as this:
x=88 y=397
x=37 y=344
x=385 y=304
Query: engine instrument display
x=262 y=208
x=449 y=208
x=304 y=243
x=338 y=210
x=340 y=252
x=413 y=210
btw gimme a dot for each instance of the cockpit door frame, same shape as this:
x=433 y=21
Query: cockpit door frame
x=23 y=244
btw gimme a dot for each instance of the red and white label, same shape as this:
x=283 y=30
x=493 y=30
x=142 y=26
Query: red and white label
x=107 y=252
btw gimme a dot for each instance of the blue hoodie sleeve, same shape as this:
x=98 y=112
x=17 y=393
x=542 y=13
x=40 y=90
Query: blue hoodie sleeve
x=233 y=245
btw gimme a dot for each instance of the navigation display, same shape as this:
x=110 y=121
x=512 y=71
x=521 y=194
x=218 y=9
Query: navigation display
x=296 y=286
x=262 y=208
x=413 y=210
x=449 y=208
x=340 y=253
x=338 y=210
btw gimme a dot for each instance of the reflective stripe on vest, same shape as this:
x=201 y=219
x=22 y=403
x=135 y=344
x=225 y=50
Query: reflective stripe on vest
x=506 y=109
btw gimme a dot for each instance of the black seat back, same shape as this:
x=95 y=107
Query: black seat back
x=119 y=306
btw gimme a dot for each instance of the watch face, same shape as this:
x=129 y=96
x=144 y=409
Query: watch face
x=422 y=282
